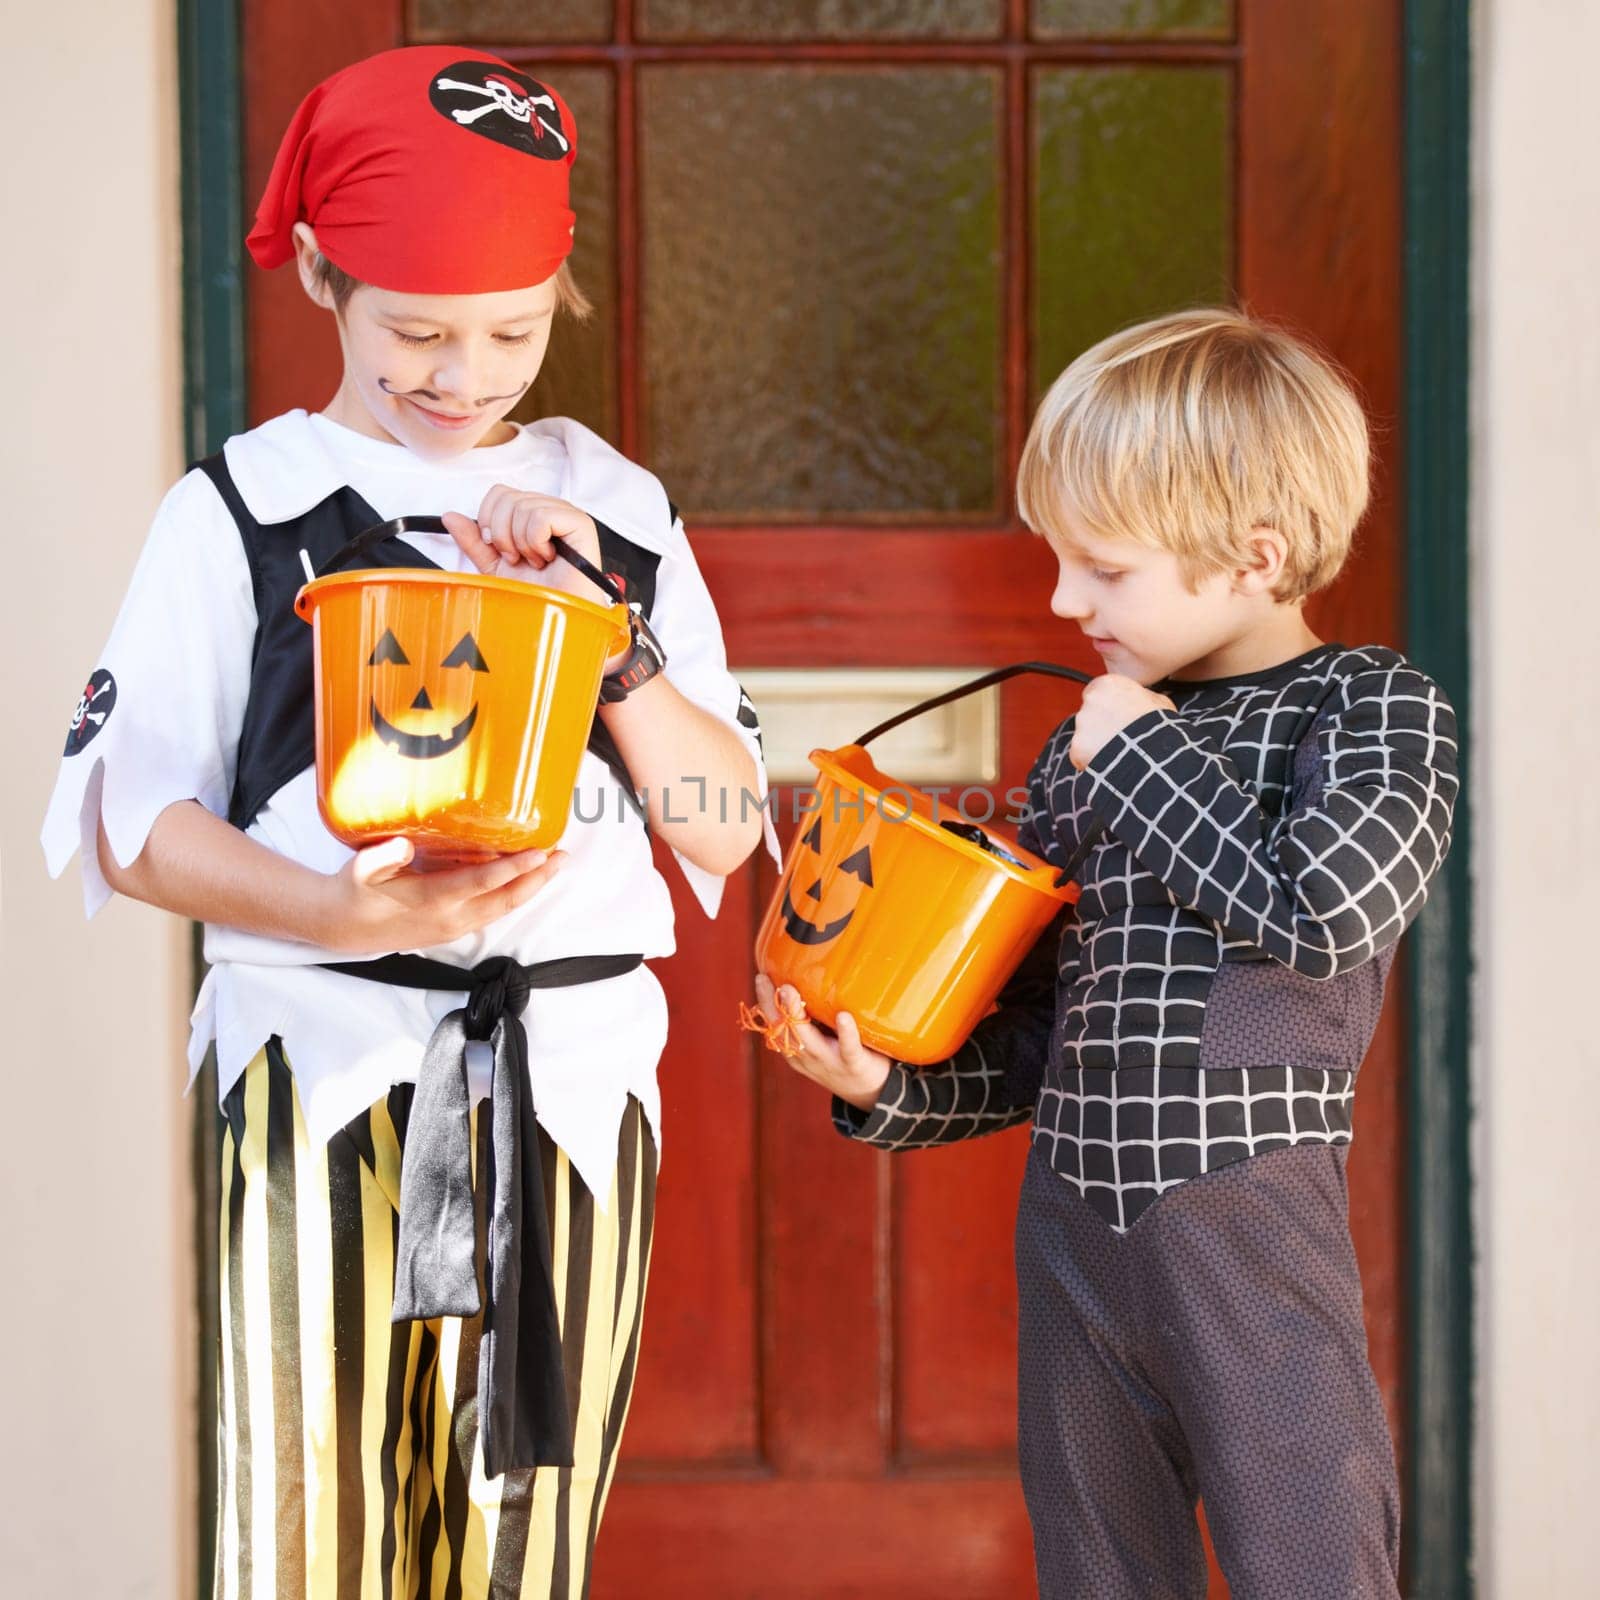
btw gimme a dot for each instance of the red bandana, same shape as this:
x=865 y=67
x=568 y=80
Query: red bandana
x=433 y=170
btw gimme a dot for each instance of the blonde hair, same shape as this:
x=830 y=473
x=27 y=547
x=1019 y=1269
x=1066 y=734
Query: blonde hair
x=570 y=299
x=1186 y=432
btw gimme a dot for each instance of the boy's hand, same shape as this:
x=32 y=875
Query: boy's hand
x=840 y=1063
x=512 y=539
x=1110 y=703
x=515 y=526
x=376 y=905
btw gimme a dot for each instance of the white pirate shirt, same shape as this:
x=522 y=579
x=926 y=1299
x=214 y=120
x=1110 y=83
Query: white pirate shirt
x=158 y=722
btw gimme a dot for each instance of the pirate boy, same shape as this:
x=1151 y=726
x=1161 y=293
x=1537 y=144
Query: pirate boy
x=439 y=1113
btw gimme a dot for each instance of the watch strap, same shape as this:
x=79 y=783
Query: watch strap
x=644 y=660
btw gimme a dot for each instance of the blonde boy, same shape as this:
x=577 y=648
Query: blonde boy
x=1254 y=816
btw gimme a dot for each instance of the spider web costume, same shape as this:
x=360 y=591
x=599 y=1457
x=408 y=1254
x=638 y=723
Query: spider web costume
x=1263 y=848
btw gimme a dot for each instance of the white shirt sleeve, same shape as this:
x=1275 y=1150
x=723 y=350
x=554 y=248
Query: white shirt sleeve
x=685 y=620
x=159 y=718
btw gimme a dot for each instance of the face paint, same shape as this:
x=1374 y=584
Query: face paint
x=430 y=394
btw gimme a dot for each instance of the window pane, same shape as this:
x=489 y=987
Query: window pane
x=819 y=19
x=579 y=376
x=508 y=21
x=1132 y=201
x=821 y=288
x=1183 y=19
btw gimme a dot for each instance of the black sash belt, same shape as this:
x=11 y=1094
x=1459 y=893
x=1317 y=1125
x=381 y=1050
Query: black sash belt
x=522 y=1391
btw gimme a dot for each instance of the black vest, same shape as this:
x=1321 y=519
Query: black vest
x=277 y=740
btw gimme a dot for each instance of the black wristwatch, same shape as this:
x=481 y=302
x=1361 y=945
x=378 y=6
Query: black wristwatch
x=645 y=659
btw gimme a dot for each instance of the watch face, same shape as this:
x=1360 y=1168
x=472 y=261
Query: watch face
x=648 y=642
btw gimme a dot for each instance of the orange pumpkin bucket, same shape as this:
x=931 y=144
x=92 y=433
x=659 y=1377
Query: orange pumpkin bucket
x=910 y=922
x=452 y=708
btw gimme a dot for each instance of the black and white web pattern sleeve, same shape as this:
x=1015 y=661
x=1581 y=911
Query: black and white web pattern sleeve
x=1339 y=877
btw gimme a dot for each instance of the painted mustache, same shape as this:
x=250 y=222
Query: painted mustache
x=429 y=394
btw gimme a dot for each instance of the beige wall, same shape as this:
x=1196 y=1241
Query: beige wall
x=1536 y=548
x=96 y=1342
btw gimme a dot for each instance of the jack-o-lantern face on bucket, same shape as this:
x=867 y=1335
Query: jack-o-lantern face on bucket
x=415 y=738
x=886 y=914
x=856 y=866
x=424 y=746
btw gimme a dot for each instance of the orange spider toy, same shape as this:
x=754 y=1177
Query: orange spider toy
x=780 y=1036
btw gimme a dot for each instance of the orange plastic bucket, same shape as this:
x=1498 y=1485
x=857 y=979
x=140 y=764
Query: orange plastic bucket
x=451 y=708
x=888 y=912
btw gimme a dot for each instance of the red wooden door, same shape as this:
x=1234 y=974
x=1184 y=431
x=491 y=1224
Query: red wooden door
x=837 y=252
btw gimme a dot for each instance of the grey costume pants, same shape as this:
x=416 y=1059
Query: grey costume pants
x=1214 y=1350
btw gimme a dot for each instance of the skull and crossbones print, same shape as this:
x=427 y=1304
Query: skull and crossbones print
x=532 y=117
x=93 y=707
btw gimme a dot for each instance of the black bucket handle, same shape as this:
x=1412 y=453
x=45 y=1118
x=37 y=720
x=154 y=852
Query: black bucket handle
x=392 y=529
x=1047 y=669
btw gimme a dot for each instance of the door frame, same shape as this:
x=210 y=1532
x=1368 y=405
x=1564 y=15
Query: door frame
x=1435 y=153
x=1437 y=240
x=211 y=187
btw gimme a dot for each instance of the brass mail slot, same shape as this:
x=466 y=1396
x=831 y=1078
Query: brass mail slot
x=802 y=708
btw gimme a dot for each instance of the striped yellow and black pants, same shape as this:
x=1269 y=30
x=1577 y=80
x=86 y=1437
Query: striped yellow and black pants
x=348 y=1459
